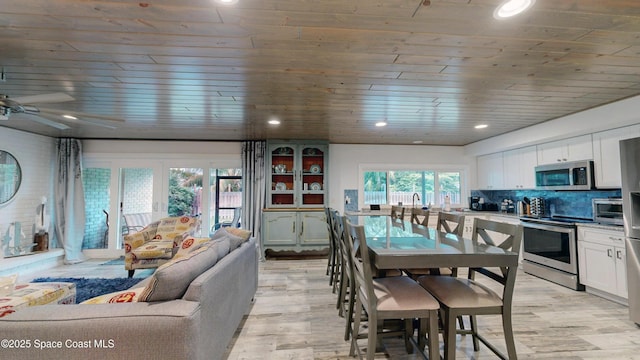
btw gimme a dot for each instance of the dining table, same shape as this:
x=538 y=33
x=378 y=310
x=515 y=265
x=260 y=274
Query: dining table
x=396 y=244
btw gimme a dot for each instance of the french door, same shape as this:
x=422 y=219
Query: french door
x=115 y=188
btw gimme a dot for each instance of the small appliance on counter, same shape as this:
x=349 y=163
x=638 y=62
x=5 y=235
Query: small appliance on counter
x=608 y=211
x=476 y=203
x=507 y=206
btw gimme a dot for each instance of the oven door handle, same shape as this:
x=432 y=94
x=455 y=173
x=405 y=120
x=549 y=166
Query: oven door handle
x=549 y=227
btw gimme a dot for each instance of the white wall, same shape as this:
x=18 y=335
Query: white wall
x=35 y=154
x=126 y=149
x=345 y=162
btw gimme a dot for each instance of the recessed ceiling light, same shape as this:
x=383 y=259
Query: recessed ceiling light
x=274 y=122
x=70 y=117
x=417 y=141
x=226 y=2
x=512 y=8
x=381 y=123
x=481 y=126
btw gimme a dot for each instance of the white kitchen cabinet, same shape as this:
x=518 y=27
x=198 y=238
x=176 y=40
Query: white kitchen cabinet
x=606 y=155
x=294 y=230
x=519 y=168
x=572 y=149
x=602 y=262
x=490 y=171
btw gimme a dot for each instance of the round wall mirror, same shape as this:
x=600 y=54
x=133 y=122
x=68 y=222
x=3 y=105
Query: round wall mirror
x=10 y=176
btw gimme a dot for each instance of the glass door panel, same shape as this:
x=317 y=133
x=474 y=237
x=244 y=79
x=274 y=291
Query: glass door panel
x=97 y=185
x=283 y=176
x=312 y=176
x=226 y=190
x=136 y=197
x=185 y=192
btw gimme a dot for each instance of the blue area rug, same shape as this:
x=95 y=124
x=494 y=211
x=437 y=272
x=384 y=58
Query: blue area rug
x=87 y=288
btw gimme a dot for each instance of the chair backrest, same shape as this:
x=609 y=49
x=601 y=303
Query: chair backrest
x=487 y=231
x=397 y=212
x=359 y=254
x=135 y=222
x=237 y=213
x=338 y=232
x=450 y=223
x=329 y=219
x=417 y=213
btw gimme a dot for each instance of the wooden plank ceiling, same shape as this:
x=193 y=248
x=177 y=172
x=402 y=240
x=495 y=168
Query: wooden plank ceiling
x=330 y=69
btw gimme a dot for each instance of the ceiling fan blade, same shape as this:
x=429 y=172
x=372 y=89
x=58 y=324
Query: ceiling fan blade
x=43 y=98
x=80 y=115
x=44 y=114
x=44 y=121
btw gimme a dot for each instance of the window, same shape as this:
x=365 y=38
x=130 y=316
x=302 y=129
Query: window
x=400 y=186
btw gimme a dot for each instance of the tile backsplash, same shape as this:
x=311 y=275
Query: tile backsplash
x=565 y=203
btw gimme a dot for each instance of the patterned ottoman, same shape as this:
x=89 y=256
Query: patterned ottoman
x=32 y=294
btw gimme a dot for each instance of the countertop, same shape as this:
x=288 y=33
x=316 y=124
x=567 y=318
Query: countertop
x=513 y=215
x=603 y=226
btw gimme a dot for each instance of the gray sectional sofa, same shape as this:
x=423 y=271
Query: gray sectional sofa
x=198 y=325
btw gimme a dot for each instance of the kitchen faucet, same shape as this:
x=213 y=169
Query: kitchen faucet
x=413 y=199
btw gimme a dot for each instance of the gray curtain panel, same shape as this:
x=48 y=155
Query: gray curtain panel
x=69 y=199
x=254 y=188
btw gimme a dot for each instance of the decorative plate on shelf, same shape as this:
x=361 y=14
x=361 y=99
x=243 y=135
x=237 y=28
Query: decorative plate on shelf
x=281 y=186
x=315 y=169
x=280 y=168
x=315 y=186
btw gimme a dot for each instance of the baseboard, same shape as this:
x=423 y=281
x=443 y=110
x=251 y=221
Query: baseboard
x=30 y=263
x=608 y=296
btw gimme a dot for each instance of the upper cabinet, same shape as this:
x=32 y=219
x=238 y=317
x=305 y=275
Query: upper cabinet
x=490 y=172
x=298 y=174
x=606 y=155
x=572 y=149
x=519 y=168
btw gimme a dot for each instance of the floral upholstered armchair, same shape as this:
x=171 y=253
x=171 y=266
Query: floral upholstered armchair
x=157 y=243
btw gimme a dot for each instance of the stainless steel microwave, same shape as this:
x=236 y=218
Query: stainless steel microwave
x=575 y=175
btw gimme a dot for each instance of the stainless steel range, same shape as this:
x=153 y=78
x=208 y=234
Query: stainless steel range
x=550 y=249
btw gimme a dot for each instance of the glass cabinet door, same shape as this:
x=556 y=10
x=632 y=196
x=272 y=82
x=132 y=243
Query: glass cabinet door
x=283 y=176
x=313 y=178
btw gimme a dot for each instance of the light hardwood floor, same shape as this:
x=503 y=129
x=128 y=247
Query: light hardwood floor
x=294 y=317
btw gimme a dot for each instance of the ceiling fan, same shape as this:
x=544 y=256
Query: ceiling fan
x=51 y=117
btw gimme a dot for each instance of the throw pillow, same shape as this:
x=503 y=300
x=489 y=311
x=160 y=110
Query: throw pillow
x=171 y=280
x=190 y=245
x=222 y=246
x=235 y=240
x=243 y=233
x=124 y=296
